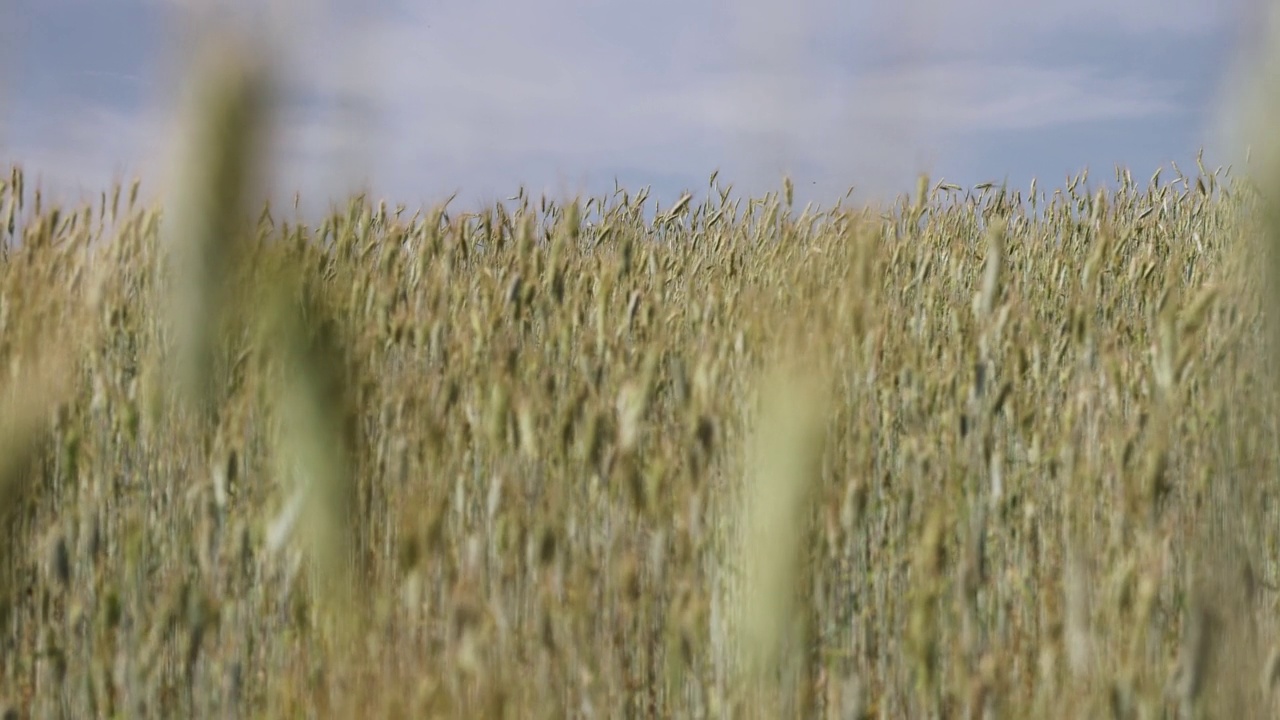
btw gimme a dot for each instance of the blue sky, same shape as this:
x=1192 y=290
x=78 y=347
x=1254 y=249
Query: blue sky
x=416 y=100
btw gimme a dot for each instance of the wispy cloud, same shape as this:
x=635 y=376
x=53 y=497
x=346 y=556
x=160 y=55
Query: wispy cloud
x=81 y=150
x=425 y=99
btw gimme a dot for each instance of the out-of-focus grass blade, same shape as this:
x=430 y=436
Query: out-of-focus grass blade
x=221 y=139
x=788 y=456
x=26 y=403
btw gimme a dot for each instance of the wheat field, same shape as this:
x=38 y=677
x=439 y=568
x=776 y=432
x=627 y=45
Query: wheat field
x=986 y=452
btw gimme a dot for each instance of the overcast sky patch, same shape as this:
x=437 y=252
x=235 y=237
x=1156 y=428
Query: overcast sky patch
x=418 y=100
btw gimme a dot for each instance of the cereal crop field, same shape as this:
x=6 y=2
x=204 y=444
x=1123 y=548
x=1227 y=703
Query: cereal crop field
x=986 y=452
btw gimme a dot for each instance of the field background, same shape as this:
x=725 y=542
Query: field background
x=987 y=452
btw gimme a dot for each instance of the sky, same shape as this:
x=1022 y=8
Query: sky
x=416 y=101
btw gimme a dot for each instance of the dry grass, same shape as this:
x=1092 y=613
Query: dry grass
x=978 y=454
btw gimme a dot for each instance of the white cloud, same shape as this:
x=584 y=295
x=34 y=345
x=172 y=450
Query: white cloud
x=1018 y=26
x=575 y=102
x=955 y=98
x=540 y=91
x=87 y=148
x=484 y=95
